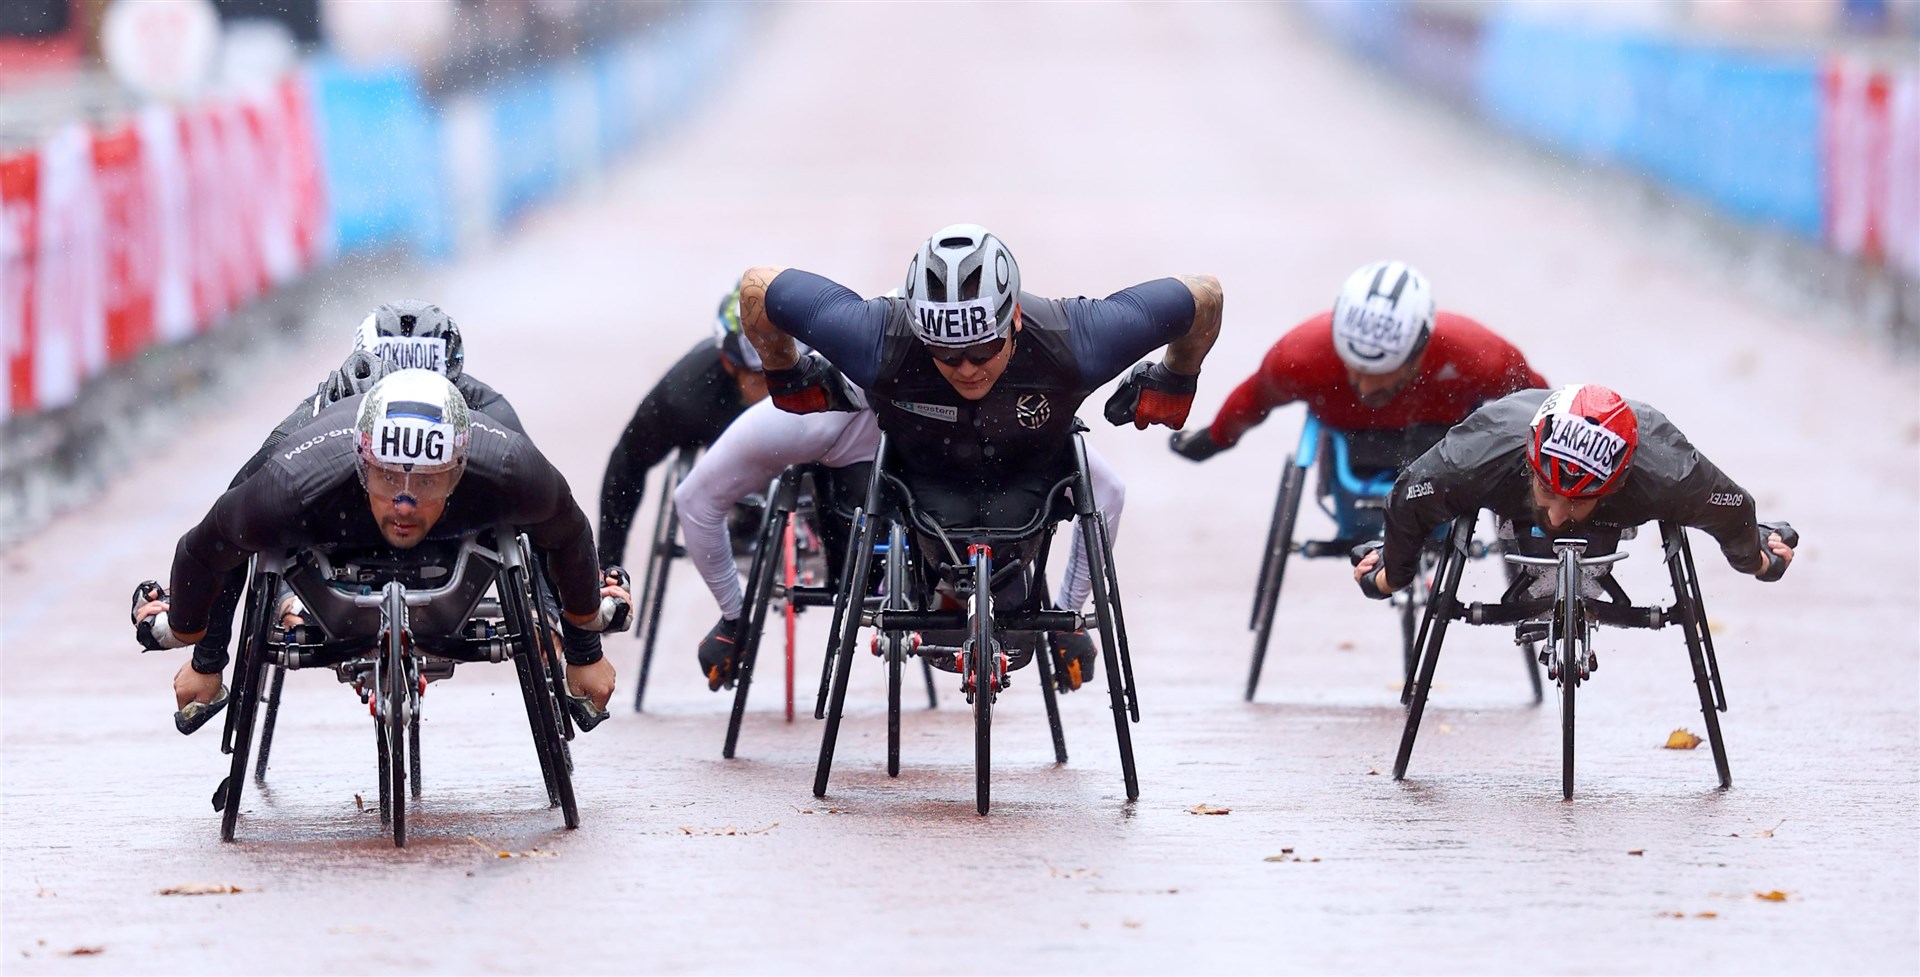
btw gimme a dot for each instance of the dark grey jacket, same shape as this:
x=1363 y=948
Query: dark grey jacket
x=1482 y=464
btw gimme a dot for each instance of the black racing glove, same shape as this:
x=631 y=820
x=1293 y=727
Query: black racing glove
x=152 y=632
x=1368 y=584
x=810 y=386
x=716 y=654
x=357 y=375
x=1153 y=394
x=1195 y=445
x=1776 y=567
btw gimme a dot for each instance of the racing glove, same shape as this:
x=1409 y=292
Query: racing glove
x=810 y=386
x=1775 y=567
x=1195 y=445
x=716 y=654
x=1153 y=394
x=1369 y=584
x=152 y=632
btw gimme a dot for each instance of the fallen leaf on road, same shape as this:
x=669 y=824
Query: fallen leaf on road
x=85 y=951
x=1773 y=896
x=1706 y=915
x=1715 y=627
x=359 y=803
x=1132 y=924
x=1682 y=740
x=1636 y=851
x=1769 y=832
x=1444 y=728
x=1373 y=773
x=1345 y=646
x=727 y=831
x=201 y=889
x=1209 y=809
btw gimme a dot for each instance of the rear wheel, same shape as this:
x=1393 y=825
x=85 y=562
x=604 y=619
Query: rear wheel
x=395 y=709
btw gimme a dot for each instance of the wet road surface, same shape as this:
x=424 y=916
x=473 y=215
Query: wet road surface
x=1123 y=143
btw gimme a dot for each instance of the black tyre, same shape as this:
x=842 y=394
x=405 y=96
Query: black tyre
x=546 y=682
x=853 y=590
x=395 y=708
x=245 y=697
x=653 y=587
x=985 y=666
x=759 y=593
x=1571 y=623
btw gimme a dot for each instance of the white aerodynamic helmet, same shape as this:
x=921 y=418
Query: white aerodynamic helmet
x=411 y=436
x=962 y=287
x=1383 y=317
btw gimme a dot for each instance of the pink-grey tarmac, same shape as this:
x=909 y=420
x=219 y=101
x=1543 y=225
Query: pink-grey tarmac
x=1107 y=145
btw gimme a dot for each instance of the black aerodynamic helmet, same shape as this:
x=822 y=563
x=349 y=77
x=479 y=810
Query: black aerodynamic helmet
x=412 y=335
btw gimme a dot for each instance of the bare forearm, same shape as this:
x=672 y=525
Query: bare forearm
x=776 y=348
x=1184 y=355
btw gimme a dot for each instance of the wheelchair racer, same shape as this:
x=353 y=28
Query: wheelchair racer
x=975 y=382
x=763 y=442
x=1578 y=461
x=1382 y=366
x=700 y=395
x=381 y=469
x=397 y=335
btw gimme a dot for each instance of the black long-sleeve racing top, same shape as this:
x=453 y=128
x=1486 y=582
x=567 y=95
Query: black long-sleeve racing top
x=479 y=397
x=1482 y=464
x=308 y=494
x=688 y=408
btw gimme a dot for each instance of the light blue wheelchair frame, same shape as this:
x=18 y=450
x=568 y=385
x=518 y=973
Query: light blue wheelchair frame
x=1344 y=496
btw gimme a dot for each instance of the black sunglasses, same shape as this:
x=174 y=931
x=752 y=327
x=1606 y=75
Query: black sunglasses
x=979 y=354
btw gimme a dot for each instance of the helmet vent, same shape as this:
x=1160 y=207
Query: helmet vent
x=936 y=289
x=970 y=285
x=956 y=242
x=406 y=324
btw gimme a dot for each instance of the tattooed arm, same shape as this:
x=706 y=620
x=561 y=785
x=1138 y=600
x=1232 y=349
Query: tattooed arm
x=1185 y=354
x=776 y=348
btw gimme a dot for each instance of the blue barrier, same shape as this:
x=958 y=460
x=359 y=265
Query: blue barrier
x=379 y=147
x=1741 y=130
x=389 y=161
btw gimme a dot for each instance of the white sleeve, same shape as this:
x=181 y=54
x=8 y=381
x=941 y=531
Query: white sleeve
x=749 y=454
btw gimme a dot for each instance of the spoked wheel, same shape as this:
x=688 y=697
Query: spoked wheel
x=1273 y=566
x=653 y=587
x=983 y=667
x=1570 y=628
x=273 y=685
x=395 y=692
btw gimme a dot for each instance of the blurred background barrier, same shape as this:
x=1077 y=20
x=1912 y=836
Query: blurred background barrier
x=152 y=230
x=1802 y=117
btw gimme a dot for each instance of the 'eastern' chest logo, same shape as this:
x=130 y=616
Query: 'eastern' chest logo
x=1032 y=411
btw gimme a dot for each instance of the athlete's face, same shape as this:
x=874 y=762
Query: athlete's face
x=405 y=519
x=1555 y=513
x=1378 y=389
x=976 y=380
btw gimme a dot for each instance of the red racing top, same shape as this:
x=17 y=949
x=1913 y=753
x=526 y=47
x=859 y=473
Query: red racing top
x=1465 y=365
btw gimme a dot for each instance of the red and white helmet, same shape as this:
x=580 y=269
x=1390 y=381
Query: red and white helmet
x=1582 y=441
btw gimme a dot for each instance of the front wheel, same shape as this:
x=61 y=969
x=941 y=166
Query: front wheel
x=1571 y=623
x=394 y=730
x=984 y=665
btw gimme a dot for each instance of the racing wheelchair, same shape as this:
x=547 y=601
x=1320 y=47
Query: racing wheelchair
x=925 y=565
x=805 y=525
x=387 y=625
x=1561 y=611
x=1357 y=472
